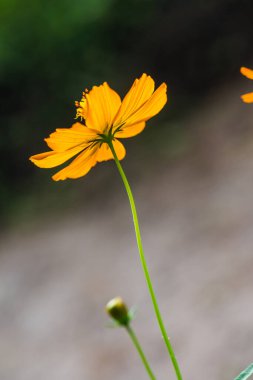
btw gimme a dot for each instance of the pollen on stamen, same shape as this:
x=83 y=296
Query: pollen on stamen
x=85 y=92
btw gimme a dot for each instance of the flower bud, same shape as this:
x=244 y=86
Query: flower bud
x=117 y=309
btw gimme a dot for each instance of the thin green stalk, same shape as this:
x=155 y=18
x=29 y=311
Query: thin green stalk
x=144 y=264
x=141 y=353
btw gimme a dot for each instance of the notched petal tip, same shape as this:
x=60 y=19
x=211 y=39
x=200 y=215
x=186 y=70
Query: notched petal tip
x=163 y=87
x=56 y=178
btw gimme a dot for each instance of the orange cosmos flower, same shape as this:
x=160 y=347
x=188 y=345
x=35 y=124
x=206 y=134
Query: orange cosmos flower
x=247 y=98
x=105 y=119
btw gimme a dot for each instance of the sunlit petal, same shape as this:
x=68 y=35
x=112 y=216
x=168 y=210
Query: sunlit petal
x=105 y=154
x=130 y=130
x=79 y=167
x=103 y=104
x=151 y=108
x=51 y=159
x=139 y=93
x=67 y=138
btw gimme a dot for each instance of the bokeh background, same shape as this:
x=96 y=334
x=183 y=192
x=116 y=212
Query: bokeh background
x=68 y=247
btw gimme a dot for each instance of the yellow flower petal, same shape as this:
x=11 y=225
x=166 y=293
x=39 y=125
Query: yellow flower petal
x=130 y=130
x=103 y=104
x=139 y=93
x=77 y=127
x=79 y=167
x=105 y=154
x=247 y=72
x=151 y=108
x=68 y=138
x=52 y=158
x=247 y=98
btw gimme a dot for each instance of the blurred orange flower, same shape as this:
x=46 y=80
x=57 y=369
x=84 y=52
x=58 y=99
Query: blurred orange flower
x=247 y=98
x=106 y=118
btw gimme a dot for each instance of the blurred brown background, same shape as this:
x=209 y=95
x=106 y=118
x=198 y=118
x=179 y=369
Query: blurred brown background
x=67 y=248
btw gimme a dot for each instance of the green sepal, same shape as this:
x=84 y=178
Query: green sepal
x=130 y=316
x=132 y=313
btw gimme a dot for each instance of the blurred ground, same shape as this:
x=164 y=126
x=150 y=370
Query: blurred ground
x=196 y=215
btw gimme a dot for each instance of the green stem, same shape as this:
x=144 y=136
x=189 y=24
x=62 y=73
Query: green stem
x=141 y=353
x=144 y=264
